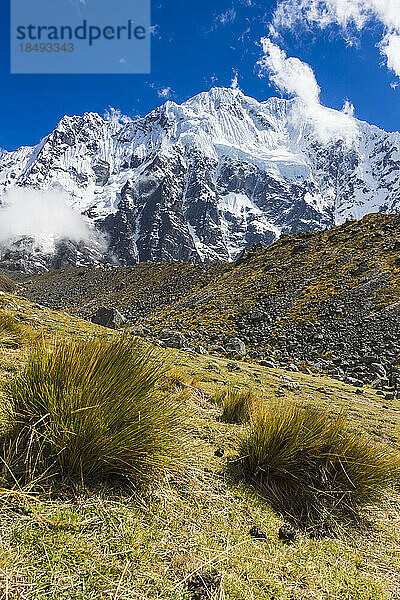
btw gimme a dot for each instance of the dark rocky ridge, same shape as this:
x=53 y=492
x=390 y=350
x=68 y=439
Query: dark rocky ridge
x=327 y=301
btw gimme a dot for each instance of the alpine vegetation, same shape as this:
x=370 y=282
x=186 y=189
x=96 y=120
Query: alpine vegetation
x=311 y=465
x=91 y=409
x=10 y=331
x=237 y=404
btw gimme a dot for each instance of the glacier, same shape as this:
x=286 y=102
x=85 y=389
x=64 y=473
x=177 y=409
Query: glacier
x=200 y=181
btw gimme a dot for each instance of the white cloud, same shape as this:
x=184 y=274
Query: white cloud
x=350 y=16
x=244 y=36
x=290 y=75
x=295 y=78
x=211 y=80
x=222 y=20
x=235 y=81
x=155 y=31
x=226 y=17
x=114 y=115
x=164 y=92
x=348 y=108
x=45 y=216
x=390 y=47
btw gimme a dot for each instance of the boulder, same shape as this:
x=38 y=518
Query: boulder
x=236 y=346
x=200 y=350
x=137 y=330
x=379 y=383
x=378 y=369
x=217 y=349
x=256 y=316
x=354 y=381
x=268 y=363
x=173 y=339
x=370 y=358
x=108 y=317
x=258 y=533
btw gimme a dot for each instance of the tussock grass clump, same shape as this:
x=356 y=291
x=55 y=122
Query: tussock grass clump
x=90 y=409
x=175 y=380
x=237 y=404
x=10 y=331
x=309 y=464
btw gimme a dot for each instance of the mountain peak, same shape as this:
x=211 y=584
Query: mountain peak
x=203 y=180
x=214 y=97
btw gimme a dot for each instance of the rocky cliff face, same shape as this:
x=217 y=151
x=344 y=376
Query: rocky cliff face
x=201 y=181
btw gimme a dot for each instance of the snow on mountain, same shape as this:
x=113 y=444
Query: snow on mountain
x=203 y=180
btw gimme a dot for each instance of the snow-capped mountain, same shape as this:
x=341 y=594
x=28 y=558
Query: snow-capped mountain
x=203 y=180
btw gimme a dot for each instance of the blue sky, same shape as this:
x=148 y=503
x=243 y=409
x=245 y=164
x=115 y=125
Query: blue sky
x=198 y=44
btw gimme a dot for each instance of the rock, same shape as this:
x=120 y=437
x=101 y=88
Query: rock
x=204 y=585
x=236 y=346
x=268 y=363
x=379 y=369
x=233 y=367
x=292 y=385
x=257 y=532
x=108 y=317
x=217 y=349
x=379 y=383
x=370 y=358
x=287 y=533
x=173 y=339
x=306 y=371
x=256 y=316
x=200 y=350
x=354 y=381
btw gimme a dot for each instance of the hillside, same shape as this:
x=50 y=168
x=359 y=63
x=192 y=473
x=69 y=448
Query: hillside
x=327 y=300
x=101 y=541
x=198 y=181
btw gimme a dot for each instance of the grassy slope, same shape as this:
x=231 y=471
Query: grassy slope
x=298 y=274
x=109 y=543
x=6 y=284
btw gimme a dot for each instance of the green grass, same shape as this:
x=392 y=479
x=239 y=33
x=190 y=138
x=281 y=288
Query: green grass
x=310 y=465
x=237 y=404
x=126 y=547
x=10 y=331
x=104 y=542
x=90 y=409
